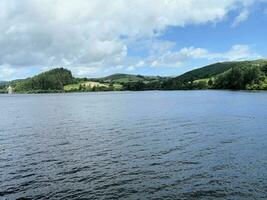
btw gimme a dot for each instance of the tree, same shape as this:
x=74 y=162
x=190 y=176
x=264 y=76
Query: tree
x=54 y=79
x=264 y=69
x=252 y=75
x=210 y=82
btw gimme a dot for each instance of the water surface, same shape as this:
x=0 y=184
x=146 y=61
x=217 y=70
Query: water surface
x=134 y=145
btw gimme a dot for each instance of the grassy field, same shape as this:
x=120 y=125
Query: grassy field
x=202 y=80
x=91 y=85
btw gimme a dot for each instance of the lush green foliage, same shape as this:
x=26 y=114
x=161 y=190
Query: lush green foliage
x=53 y=80
x=238 y=78
x=228 y=75
x=133 y=82
x=88 y=86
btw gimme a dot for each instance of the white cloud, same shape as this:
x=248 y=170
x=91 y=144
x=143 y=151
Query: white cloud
x=172 y=58
x=83 y=71
x=94 y=34
x=7 y=72
x=240 y=52
x=243 y=16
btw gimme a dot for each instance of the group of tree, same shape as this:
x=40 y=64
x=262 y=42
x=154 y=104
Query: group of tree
x=239 y=78
x=53 y=80
x=143 y=85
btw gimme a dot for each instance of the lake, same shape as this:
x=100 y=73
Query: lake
x=134 y=145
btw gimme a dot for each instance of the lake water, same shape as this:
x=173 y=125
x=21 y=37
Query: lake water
x=134 y=145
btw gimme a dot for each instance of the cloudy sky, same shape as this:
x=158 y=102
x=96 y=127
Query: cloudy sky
x=152 y=37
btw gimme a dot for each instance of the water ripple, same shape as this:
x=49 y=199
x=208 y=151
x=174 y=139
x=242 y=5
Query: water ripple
x=107 y=146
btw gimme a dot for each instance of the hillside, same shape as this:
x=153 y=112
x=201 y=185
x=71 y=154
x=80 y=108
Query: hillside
x=224 y=75
x=206 y=72
x=50 y=81
x=215 y=69
x=126 y=78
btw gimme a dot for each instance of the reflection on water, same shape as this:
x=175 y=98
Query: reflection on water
x=134 y=145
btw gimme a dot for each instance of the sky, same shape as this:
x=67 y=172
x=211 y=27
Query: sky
x=95 y=38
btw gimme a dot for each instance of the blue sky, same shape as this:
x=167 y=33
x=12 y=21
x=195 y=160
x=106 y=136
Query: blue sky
x=218 y=37
x=151 y=37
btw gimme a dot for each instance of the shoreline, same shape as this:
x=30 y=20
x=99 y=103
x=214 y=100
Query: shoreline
x=126 y=91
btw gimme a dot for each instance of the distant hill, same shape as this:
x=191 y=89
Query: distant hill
x=3 y=83
x=218 y=76
x=215 y=69
x=205 y=72
x=126 y=78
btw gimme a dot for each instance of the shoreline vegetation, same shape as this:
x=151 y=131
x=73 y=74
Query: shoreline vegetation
x=241 y=75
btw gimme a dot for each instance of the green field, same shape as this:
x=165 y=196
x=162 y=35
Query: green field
x=91 y=86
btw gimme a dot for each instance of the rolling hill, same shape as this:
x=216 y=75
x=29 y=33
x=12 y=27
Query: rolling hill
x=224 y=75
x=126 y=78
x=249 y=75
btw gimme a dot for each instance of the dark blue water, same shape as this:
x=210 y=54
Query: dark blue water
x=134 y=145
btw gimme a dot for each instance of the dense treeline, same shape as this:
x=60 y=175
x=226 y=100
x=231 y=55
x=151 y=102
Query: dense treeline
x=140 y=85
x=53 y=80
x=238 y=78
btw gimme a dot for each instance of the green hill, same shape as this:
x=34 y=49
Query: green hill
x=206 y=72
x=126 y=78
x=224 y=75
x=50 y=81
